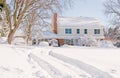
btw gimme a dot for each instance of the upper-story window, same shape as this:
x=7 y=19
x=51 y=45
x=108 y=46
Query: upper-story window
x=85 y=31
x=68 y=31
x=96 y=31
x=78 y=31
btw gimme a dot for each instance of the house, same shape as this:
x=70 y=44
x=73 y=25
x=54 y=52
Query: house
x=69 y=29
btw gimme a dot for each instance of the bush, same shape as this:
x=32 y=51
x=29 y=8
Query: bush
x=53 y=42
x=87 y=41
x=106 y=44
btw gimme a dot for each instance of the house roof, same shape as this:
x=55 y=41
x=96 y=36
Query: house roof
x=48 y=35
x=79 y=21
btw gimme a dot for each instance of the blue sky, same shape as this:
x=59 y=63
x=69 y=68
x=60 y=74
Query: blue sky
x=87 y=8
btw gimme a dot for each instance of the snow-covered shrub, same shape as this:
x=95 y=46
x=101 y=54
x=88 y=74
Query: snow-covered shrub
x=91 y=41
x=43 y=43
x=65 y=45
x=87 y=41
x=53 y=42
x=106 y=44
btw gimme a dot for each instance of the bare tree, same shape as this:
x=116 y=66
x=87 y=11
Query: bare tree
x=17 y=10
x=112 y=8
x=113 y=33
x=30 y=20
x=15 y=16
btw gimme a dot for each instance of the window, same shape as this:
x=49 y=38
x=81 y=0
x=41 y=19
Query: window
x=68 y=31
x=85 y=31
x=78 y=31
x=96 y=31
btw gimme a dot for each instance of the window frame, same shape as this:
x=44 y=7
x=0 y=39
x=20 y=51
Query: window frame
x=96 y=31
x=78 y=31
x=85 y=31
x=68 y=31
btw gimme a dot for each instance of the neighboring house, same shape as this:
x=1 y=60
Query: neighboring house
x=69 y=29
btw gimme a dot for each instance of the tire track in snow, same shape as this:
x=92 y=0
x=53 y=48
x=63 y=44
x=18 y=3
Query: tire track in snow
x=54 y=72
x=37 y=71
x=95 y=73
x=72 y=70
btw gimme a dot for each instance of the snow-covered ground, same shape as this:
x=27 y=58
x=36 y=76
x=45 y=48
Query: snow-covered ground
x=18 y=61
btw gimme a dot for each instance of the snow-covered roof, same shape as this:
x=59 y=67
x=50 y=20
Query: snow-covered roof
x=79 y=21
x=48 y=35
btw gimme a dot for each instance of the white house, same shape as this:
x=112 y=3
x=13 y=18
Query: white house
x=69 y=29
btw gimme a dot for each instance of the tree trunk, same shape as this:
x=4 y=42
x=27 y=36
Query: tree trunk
x=11 y=35
x=29 y=34
x=28 y=39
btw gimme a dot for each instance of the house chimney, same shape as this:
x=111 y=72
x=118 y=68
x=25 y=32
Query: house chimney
x=55 y=23
x=55 y=30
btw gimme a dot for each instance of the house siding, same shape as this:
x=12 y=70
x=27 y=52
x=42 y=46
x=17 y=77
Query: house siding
x=90 y=32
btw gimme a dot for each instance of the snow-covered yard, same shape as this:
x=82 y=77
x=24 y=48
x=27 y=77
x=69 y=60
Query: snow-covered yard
x=58 y=62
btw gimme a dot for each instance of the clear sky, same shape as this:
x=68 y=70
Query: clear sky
x=87 y=8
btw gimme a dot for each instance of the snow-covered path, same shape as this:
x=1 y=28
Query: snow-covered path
x=95 y=73
x=55 y=68
x=59 y=66
x=46 y=66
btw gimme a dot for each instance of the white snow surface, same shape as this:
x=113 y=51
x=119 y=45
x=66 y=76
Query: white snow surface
x=18 y=61
x=43 y=43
